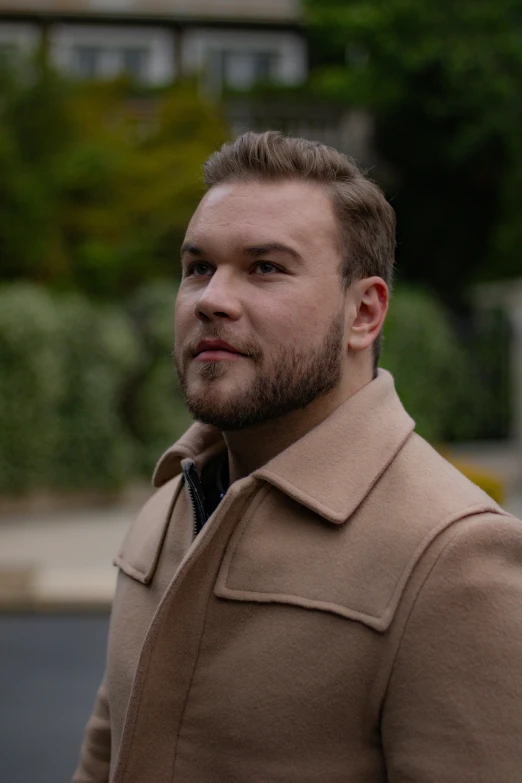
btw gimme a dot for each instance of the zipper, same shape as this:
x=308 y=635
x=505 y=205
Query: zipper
x=191 y=476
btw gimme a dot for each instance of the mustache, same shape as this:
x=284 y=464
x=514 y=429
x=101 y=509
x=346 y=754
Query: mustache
x=246 y=347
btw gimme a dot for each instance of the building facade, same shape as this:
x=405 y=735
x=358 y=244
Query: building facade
x=233 y=43
x=227 y=43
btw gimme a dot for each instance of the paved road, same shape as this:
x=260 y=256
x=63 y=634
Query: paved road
x=50 y=667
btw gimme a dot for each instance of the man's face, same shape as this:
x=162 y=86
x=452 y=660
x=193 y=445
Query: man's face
x=260 y=313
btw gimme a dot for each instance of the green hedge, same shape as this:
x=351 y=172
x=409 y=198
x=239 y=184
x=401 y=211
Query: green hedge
x=89 y=399
x=97 y=351
x=455 y=382
x=88 y=393
x=421 y=350
x=63 y=365
x=30 y=387
x=155 y=410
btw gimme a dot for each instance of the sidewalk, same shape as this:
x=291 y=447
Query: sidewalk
x=63 y=560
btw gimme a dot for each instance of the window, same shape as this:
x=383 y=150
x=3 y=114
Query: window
x=88 y=61
x=95 y=61
x=134 y=61
x=240 y=58
x=241 y=70
x=146 y=54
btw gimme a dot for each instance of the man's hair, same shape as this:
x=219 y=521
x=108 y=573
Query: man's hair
x=365 y=218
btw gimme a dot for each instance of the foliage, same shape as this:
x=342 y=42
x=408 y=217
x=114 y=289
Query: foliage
x=443 y=81
x=97 y=186
x=30 y=386
x=62 y=367
x=98 y=350
x=34 y=128
x=455 y=384
x=155 y=409
x=430 y=367
x=88 y=396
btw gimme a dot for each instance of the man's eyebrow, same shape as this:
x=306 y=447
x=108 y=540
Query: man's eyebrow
x=271 y=247
x=194 y=250
x=254 y=251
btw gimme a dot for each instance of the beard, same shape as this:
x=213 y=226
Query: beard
x=294 y=379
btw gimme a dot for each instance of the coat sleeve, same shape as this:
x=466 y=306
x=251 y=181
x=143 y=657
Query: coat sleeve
x=453 y=708
x=95 y=755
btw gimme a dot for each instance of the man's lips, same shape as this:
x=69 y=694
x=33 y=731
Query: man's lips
x=216 y=350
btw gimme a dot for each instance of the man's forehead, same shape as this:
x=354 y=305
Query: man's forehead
x=248 y=207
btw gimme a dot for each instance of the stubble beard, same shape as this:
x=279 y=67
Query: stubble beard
x=294 y=380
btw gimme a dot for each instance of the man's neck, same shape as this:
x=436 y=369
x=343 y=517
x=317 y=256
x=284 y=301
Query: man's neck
x=253 y=447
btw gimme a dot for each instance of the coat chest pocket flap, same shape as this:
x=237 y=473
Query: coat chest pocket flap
x=285 y=553
x=139 y=553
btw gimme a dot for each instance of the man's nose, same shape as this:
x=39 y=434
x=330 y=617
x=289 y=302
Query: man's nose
x=219 y=299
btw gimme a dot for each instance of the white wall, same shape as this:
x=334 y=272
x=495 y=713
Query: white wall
x=25 y=37
x=159 y=42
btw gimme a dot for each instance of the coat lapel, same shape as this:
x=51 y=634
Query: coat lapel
x=334 y=466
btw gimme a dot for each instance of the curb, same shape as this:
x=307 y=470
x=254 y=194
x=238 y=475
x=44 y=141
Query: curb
x=39 y=605
x=47 y=503
x=42 y=606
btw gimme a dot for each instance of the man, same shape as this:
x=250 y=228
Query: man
x=313 y=595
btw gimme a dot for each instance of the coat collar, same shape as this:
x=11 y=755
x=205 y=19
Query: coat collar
x=333 y=467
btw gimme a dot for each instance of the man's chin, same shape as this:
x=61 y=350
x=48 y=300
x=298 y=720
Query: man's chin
x=218 y=419
x=211 y=407
x=225 y=382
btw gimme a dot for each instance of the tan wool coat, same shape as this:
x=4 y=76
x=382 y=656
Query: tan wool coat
x=350 y=613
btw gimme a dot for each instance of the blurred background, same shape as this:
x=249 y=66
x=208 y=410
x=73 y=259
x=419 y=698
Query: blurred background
x=107 y=110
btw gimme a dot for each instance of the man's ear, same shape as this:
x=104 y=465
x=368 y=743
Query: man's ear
x=371 y=296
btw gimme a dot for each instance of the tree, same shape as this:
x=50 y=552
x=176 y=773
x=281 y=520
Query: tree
x=97 y=186
x=444 y=83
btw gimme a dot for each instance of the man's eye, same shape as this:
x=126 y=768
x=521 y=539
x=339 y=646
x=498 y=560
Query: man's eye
x=199 y=269
x=266 y=268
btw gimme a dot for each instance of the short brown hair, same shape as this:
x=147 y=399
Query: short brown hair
x=366 y=219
